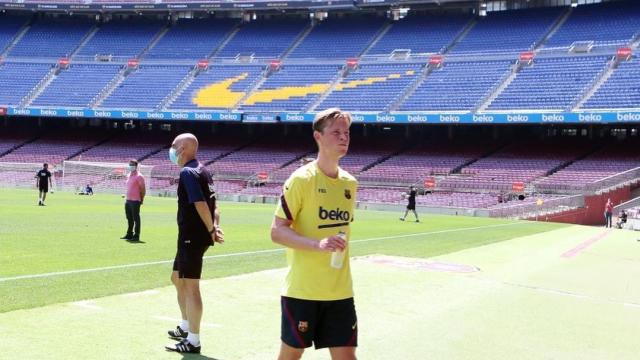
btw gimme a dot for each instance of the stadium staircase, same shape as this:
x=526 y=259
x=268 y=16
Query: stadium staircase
x=409 y=90
x=39 y=88
x=80 y=152
x=554 y=28
x=148 y=155
x=458 y=170
x=385 y=158
x=383 y=30
x=597 y=83
x=19 y=35
x=110 y=88
x=29 y=141
x=253 y=88
x=224 y=42
x=182 y=86
x=467 y=28
x=303 y=35
x=484 y=104
x=157 y=37
x=239 y=148
x=591 y=151
x=341 y=75
x=88 y=36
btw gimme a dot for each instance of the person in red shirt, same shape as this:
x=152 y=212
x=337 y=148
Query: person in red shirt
x=608 y=213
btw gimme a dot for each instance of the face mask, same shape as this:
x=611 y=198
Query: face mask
x=173 y=156
x=132 y=168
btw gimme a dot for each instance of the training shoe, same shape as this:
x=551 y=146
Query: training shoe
x=417 y=220
x=127 y=237
x=178 y=333
x=184 y=346
x=401 y=219
x=134 y=239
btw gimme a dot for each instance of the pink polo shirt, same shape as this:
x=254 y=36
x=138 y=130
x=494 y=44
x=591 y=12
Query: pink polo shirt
x=135 y=183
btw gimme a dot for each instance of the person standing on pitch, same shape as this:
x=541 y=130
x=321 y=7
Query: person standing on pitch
x=43 y=181
x=136 y=191
x=313 y=221
x=412 y=203
x=198 y=219
x=608 y=214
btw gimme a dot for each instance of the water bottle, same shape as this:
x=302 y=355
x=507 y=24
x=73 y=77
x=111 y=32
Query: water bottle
x=337 y=257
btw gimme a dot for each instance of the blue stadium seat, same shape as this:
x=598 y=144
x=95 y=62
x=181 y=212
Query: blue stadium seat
x=372 y=87
x=613 y=23
x=457 y=86
x=146 y=87
x=191 y=39
x=127 y=38
x=77 y=85
x=508 y=31
x=237 y=79
x=550 y=84
x=18 y=79
x=339 y=38
x=620 y=91
x=264 y=38
x=293 y=88
x=52 y=37
x=420 y=34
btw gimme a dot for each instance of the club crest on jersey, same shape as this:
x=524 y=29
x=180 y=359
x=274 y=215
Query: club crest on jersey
x=303 y=326
x=347 y=194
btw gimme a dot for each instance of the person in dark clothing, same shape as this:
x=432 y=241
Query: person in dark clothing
x=43 y=182
x=411 y=206
x=622 y=219
x=197 y=230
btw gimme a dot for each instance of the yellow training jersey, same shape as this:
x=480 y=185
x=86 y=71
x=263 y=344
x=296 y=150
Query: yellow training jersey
x=318 y=206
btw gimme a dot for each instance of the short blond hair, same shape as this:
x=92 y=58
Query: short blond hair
x=325 y=117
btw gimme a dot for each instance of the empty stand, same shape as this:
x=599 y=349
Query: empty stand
x=9 y=27
x=611 y=23
x=336 y=38
x=509 y=31
x=77 y=86
x=126 y=38
x=421 y=34
x=372 y=87
x=264 y=38
x=220 y=87
x=18 y=79
x=191 y=39
x=52 y=37
x=620 y=91
x=457 y=86
x=550 y=84
x=292 y=88
x=146 y=87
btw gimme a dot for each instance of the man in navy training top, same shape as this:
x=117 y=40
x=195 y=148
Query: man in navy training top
x=197 y=230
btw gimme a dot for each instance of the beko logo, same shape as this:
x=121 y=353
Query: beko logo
x=336 y=214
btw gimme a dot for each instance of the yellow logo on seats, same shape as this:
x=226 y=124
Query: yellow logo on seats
x=219 y=95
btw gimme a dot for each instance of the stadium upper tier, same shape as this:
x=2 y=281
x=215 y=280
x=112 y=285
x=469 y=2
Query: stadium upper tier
x=393 y=72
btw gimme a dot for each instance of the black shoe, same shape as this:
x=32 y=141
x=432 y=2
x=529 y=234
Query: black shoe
x=127 y=237
x=134 y=239
x=184 y=346
x=401 y=219
x=178 y=333
x=417 y=220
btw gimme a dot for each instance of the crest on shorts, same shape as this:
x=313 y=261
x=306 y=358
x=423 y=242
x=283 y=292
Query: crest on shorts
x=303 y=326
x=347 y=194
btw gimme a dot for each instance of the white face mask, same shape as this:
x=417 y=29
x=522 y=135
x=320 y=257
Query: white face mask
x=132 y=168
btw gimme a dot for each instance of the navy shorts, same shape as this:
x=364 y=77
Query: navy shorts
x=325 y=324
x=188 y=261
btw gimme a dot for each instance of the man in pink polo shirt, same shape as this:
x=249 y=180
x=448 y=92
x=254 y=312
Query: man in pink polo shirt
x=135 y=197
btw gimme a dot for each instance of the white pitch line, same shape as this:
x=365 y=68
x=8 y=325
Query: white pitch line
x=87 y=304
x=256 y=252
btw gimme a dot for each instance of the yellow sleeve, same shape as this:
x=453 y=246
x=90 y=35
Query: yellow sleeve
x=291 y=200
